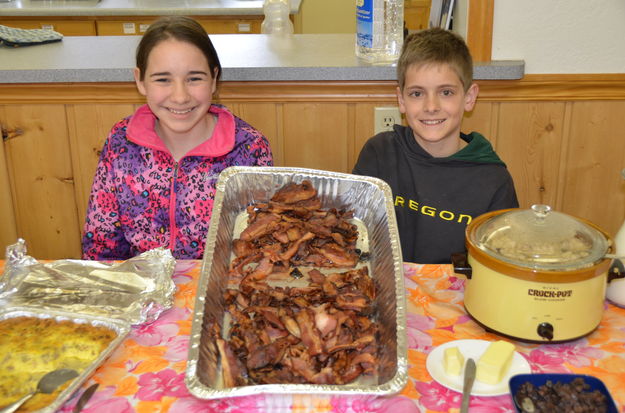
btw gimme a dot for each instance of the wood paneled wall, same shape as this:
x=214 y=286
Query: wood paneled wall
x=562 y=137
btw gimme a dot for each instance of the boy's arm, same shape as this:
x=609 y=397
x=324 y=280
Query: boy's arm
x=505 y=197
x=367 y=163
x=103 y=236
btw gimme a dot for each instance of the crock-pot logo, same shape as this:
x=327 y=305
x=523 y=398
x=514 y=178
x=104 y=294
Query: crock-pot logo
x=550 y=294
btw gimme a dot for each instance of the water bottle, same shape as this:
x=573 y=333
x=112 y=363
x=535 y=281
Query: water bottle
x=379 y=30
x=277 y=19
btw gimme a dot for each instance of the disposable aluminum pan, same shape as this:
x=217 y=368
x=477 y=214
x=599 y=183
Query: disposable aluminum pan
x=121 y=328
x=371 y=201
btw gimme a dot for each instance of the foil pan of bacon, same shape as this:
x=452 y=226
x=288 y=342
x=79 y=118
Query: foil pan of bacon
x=303 y=315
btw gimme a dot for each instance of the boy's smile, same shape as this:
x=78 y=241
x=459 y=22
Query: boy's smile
x=434 y=102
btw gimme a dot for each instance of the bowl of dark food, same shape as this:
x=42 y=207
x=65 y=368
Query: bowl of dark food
x=301 y=288
x=548 y=393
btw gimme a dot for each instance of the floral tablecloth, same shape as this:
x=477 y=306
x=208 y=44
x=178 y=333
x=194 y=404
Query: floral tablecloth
x=146 y=373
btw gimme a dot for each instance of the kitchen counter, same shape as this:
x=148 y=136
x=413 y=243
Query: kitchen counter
x=134 y=7
x=244 y=57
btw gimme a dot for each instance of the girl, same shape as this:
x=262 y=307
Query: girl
x=155 y=181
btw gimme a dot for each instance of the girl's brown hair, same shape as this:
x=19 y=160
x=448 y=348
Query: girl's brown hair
x=183 y=29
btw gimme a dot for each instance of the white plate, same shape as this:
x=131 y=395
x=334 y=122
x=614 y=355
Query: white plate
x=472 y=349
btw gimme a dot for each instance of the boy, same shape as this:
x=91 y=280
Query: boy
x=440 y=177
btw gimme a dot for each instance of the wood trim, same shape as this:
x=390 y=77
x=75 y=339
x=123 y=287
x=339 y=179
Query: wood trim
x=126 y=92
x=480 y=29
x=556 y=87
x=546 y=87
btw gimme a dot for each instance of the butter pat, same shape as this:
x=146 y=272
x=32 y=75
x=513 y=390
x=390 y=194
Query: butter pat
x=495 y=362
x=453 y=360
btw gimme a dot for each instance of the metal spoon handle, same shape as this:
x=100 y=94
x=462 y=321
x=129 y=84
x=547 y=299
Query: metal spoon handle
x=469 y=378
x=16 y=405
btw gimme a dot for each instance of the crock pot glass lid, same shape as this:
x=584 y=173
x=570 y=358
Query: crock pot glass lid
x=541 y=238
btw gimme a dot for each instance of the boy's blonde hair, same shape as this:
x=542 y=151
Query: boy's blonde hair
x=436 y=46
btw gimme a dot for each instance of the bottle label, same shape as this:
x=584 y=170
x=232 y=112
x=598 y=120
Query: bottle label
x=364 y=23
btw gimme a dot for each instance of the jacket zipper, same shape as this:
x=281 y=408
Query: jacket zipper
x=172 y=210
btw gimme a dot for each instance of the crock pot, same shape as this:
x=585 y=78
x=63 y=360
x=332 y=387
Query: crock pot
x=535 y=275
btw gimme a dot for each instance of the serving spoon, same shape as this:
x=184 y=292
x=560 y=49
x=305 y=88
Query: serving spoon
x=47 y=384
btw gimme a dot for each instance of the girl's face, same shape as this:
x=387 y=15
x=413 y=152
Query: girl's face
x=179 y=87
x=434 y=102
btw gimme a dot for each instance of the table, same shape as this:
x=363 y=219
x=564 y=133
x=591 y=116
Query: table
x=146 y=373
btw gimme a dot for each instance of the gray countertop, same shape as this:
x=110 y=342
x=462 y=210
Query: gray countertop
x=134 y=7
x=244 y=57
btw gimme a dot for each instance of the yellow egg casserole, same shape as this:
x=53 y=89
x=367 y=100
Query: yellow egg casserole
x=31 y=347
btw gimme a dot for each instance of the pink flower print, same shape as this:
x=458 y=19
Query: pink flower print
x=153 y=386
x=456 y=283
x=247 y=404
x=103 y=401
x=499 y=404
x=162 y=330
x=542 y=362
x=436 y=397
x=181 y=271
x=177 y=349
x=415 y=326
x=557 y=354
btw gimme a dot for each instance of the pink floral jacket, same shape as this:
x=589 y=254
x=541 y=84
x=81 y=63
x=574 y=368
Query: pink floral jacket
x=142 y=198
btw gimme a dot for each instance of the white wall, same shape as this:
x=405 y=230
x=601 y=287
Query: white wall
x=561 y=36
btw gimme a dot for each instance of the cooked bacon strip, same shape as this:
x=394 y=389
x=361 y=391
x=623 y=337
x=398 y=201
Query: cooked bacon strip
x=309 y=333
x=262 y=225
x=232 y=371
x=292 y=192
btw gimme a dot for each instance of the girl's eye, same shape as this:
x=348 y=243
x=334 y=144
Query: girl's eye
x=195 y=79
x=161 y=79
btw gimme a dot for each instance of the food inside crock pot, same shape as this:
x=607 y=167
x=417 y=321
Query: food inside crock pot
x=574 y=248
x=560 y=397
x=322 y=330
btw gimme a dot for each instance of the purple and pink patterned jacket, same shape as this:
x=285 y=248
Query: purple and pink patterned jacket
x=142 y=198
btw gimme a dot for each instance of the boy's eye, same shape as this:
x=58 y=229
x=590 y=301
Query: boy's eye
x=195 y=79
x=448 y=92
x=161 y=79
x=415 y=93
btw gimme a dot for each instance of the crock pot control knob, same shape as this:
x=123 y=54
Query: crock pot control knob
x=545 y=330
x=461 y=264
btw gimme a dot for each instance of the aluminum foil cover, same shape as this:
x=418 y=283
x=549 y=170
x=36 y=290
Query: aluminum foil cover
x=137 y=290
x=120 y=327
x=371 y=201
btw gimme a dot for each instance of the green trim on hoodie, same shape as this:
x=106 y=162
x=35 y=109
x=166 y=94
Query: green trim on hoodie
x=478 y=150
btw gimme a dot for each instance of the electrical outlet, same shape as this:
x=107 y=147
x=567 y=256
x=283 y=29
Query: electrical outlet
x=384 y=118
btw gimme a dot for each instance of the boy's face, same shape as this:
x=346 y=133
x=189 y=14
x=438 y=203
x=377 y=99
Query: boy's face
x=434 y=102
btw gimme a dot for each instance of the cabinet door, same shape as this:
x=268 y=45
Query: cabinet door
x=123 y=27
x=89 y=125
x=213 y=25
x=65 y=27
x=8 y=231
x=41 y=179
x=417 y=14
x=231 y=25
